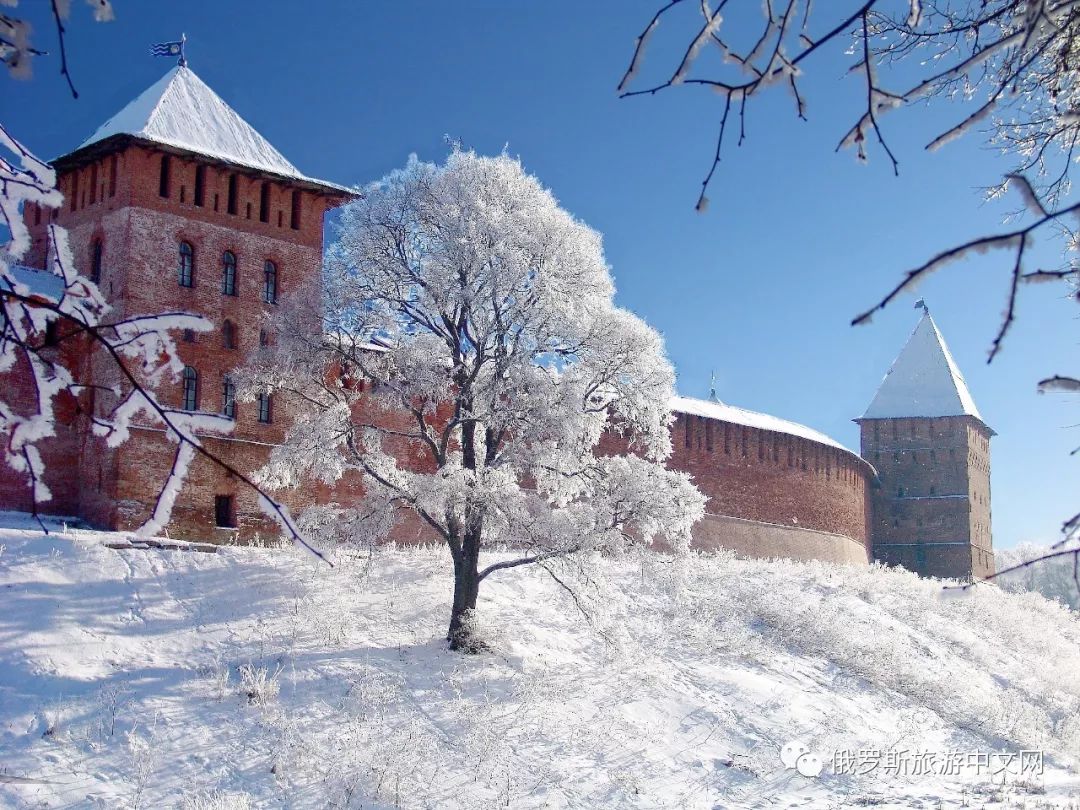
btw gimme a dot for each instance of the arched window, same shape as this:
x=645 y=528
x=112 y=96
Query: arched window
x=266 y=408
x=191 y=389
x=95 y=261
x=270 y=282
x=228 y=273
x=228 y=334
x=186 y=268
x=228 y=398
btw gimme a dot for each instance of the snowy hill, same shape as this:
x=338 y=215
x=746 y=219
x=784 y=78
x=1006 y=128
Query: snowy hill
x=255 y=678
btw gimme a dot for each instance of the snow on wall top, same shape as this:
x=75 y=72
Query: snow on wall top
x=924 y=380
x=181 y=110
x=740 y=416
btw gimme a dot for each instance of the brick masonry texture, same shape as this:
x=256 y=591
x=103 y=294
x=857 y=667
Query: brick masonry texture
x=931 y=508
x=769 y=493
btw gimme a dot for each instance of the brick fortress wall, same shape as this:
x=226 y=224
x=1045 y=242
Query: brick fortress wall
x=770 y=494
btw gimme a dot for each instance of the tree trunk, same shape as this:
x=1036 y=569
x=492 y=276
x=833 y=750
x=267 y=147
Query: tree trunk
x=466 y=588
x=467 y=562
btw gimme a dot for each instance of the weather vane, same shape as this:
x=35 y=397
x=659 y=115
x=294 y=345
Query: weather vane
x=171 y=49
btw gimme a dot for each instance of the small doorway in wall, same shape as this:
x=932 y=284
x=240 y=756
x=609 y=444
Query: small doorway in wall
x=224 y=512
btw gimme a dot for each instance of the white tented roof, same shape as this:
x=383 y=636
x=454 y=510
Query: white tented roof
x=923 y=381
x=181 y=110
x=740 y=416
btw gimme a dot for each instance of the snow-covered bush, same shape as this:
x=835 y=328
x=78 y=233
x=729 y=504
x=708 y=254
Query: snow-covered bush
x=217 y=800
x=258 y=684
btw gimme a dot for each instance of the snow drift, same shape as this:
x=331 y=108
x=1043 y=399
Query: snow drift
x=255 y=677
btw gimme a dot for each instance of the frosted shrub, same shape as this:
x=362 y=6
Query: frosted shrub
x=218 y=681
x=218 y=800
x=259 y=685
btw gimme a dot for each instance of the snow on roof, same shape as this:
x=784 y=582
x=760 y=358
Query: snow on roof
x=740 y=416
x=181 y=110
x=924 y=380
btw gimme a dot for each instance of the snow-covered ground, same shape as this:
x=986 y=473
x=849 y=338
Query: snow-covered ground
x=258 y=678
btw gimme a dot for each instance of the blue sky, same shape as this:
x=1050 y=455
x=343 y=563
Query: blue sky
x=760 y=288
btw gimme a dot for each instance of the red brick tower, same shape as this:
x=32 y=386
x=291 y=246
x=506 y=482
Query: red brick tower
x=177 y=204
x=930 y=511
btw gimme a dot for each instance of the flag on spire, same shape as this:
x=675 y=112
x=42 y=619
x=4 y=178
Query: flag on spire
x=170 y=49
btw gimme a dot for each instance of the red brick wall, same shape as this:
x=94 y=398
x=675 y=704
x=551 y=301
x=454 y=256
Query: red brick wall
x=772 y=477
x=791 y=493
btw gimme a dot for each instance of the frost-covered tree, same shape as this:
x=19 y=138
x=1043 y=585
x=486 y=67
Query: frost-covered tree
x=1011 y=68
x=484 y=314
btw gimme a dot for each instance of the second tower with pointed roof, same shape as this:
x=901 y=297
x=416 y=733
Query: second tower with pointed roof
x=930 y=508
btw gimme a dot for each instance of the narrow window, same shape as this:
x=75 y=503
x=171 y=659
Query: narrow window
x=228 y=398
x=95 y=261
x=112 y=176
x=899 y=492
x=294 y=219
x=280 y=218
x=264 y=338
x=186 y=268
x=37 y=214
x=183 y=193
x=228 y=273
x=686 y=433
x=265 y=408
x=228 y=335
x=248 y=210
x=224 y=517
x=200 y=186
x=93 y=183
x=191 y=389
x=163 y=180
x=270 y=282
x=232 y=194
x=264 y=203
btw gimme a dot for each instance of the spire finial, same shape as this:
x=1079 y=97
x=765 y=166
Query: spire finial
x=183 y=57
x=712 y=387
